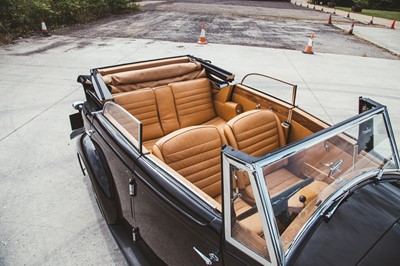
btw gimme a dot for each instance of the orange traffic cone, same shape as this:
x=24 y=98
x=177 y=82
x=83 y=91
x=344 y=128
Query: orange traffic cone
x=330 y=19
x=308 y=49
x=394 y=21
x=202 y=39
x=45 y=32
x=351 y=29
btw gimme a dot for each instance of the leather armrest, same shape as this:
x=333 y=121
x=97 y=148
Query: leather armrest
x=227 y=110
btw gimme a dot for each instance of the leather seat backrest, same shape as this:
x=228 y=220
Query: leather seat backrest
x=193 y=101
x=194 y=152
x=166 y=109
x=255 y=132
x=142 y=105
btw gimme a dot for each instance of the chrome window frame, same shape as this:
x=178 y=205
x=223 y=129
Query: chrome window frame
x=227 y=161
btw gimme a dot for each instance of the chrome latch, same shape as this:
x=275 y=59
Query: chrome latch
x=208 y=260
x=132 y=187
x=336 y=168
x=135 y=234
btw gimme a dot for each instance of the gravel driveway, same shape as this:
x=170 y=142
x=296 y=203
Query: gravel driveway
x=252 y=23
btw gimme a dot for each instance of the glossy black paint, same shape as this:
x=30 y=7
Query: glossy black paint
x=100 y=177
x=365 y=226
x=170 y=219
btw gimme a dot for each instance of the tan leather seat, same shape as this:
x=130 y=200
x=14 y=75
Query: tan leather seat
x=142 y=105
x=258 y=132
x=193 y=102
x=195 y=153
x=167 y=108
x=255 y=132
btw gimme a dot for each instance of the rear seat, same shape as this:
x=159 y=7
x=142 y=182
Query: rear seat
x=142 y=104
x=168 y=108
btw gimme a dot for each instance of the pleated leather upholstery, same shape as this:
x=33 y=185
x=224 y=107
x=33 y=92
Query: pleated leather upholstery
x=166 y=109
x=194 y=152
x=142 y=105
x=255 y=132
x=193 y=102
x=258 y=132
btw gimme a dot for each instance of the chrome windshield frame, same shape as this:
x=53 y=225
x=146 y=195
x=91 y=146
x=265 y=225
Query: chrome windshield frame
x=331 y=132
x=317 y=138
x=268 y=225
x=257 y=163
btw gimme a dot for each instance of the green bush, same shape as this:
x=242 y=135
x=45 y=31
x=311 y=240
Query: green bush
x=20 y=17
x=389 y=5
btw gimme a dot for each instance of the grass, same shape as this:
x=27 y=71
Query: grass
x=376 y=13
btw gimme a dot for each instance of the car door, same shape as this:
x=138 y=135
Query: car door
x=178 y=226
x=243 y=246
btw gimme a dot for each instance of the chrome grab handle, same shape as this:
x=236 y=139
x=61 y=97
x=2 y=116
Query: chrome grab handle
x=208 y=260
x=334 y=167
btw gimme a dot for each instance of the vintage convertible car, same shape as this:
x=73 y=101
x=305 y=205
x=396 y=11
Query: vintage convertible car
x=190 y=168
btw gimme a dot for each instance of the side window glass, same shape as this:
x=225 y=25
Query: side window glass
x=125 y=123
x=243 y=223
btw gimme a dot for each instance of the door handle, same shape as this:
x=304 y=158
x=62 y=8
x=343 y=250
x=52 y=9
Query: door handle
x=208 y=260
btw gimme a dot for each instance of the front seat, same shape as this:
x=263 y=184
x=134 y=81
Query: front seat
x=258 y=132
x=195 y=153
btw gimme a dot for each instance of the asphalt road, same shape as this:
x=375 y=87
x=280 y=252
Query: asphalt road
x=250 y=23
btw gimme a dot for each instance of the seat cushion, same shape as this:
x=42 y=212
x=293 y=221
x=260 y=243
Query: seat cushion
x=218 y=122
x=252 y=222
x=194 y=152
x=255 y=132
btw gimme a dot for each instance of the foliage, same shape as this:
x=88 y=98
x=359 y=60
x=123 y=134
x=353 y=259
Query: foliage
x=20 y=17
x=390 y=5
x=375 y=13
x=362 y=3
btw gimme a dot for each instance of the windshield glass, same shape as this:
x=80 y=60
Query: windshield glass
x=306 y=177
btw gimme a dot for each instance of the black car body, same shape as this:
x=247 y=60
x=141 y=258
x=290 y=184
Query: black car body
x=190 y=168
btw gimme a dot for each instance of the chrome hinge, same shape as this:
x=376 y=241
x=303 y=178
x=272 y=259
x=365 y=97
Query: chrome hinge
x=90 y=132
x=208 y=260
x=78 y=105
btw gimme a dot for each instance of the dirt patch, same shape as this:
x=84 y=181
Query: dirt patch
x=43 y=49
